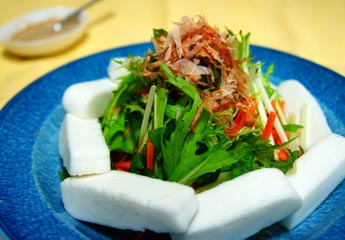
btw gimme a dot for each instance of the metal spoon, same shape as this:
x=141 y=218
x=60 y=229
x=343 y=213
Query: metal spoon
x=59 y=25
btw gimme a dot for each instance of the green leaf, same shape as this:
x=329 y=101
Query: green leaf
x=157 y=33
x=63 y=174
x=172 y=147
x=292 y=127
x=123 y=115
x=123 y=133
x=284 y=165
x=192 y=165
x=183 y=85
x=266 y=81
x=241 y=50
x=206 y=179
x=156 y=137
x=137 y=165
x=160 y=104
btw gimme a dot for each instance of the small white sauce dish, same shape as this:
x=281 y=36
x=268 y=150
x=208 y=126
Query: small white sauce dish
x=44 y=46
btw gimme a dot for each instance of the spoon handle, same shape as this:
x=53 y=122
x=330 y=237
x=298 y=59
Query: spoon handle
x=58 y=25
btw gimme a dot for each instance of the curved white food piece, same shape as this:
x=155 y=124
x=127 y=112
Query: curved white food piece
x=116 y=71
x=296 y=96
x=82 y=146
x=129 y=201
x=318 y=173
x=88 y=99
x=243 y=206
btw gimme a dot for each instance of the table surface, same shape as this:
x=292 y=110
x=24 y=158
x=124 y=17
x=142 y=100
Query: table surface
x=312 y=29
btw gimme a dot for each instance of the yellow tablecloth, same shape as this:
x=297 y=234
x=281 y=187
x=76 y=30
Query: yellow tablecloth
x=312 y=29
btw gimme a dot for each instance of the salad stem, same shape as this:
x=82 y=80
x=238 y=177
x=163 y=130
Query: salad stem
x=148 y=108
x=269 y=107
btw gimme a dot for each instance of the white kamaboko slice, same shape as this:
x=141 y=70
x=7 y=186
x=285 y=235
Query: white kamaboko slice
x=128 y=201
x=88 y=99
x=243 y=206
x=116 y=70
x=299 y=101
x=318 y=173
x=82 y=146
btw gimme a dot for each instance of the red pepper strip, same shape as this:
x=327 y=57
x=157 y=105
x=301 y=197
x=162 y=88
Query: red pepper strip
x=269 y=125
x=283 y=154
x=242 y=119
x=123 y=165
x=276 y=137
x=241 y=114
x=281 y=104
x=248 y=100
x=149 y=155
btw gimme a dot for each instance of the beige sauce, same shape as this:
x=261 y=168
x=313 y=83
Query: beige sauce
x=42 y=30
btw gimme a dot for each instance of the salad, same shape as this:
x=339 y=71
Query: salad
x=197 y=110
x=153 y=146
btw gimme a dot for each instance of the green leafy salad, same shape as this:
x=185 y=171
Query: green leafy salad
x=196 y=110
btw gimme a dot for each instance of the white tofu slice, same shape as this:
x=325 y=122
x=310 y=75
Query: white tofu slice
x=296 y=96
x=88 y=99
x=115 y=70
x=243 y=206
x=128 y=201
x=82 y=146
x=318 y=173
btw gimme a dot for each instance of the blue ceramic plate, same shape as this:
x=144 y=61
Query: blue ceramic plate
x=30 y=202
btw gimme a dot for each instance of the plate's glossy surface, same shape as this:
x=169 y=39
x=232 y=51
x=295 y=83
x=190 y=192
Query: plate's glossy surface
x=30 y=202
